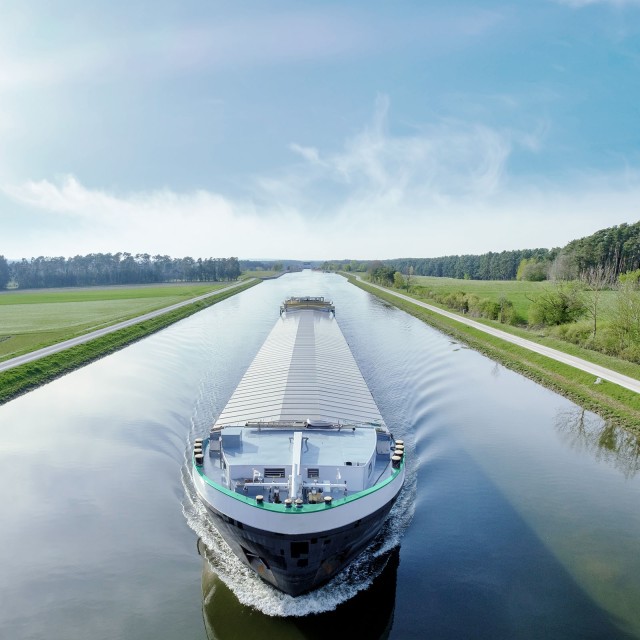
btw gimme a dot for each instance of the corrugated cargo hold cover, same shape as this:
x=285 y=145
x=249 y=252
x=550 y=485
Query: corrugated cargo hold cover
x=304 y=370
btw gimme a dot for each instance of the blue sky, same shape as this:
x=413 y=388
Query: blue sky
x=316 y=130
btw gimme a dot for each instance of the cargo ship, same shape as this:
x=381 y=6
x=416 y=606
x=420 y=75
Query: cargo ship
x=299 y=471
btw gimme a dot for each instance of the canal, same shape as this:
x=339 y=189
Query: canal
x=520 y=517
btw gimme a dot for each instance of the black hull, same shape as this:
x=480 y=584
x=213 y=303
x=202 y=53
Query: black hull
x=298 y=564
x=373 y=609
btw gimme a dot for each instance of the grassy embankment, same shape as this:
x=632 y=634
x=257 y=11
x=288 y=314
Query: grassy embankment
x=608 y=400
x=263 y=275
x=28 y=376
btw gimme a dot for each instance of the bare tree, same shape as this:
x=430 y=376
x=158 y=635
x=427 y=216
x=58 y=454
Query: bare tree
x=596 y=280
x=409 y=275
x=626 y=320
x=562 y=268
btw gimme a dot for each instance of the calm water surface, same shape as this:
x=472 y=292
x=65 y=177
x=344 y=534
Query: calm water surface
x=520 y=517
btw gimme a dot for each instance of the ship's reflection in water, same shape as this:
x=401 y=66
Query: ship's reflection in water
x=370 y=610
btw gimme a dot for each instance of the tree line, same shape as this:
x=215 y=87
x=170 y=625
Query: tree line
x=113 y=269
x=488 y=266
x=616 y=248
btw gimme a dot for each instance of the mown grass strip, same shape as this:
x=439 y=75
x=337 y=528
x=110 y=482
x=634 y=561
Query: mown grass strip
x=19 y=380
x=608 y=400
x=178 y=291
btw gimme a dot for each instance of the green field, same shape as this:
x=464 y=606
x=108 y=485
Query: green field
x=519 y=292
x=36 y=318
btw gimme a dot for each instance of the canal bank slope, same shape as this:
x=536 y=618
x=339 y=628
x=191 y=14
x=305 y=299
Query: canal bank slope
x=23 y=373
x=608 y=393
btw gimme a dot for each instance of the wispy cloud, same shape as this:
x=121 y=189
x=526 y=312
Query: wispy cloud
x=24 y=72
x=446 y=159
x=153 y=51
x=308 y=153
x=88 y=46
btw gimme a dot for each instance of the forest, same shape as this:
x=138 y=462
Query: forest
x=113 y=269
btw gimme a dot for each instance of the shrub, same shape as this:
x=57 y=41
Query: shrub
x=577 y=333
x=557 y=306
x=473 y=302
x=631 y=353
x=489 y=309
x=457 y=301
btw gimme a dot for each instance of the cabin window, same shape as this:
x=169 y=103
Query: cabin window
x=299 y=549
x=313 y=473
x=369 y=468
x=274 y=472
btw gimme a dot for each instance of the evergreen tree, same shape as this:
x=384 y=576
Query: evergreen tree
x=5 y=274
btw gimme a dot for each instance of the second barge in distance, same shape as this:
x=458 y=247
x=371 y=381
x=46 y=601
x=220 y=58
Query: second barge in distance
x=299 y=471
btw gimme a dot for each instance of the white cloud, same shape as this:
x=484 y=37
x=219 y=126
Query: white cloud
x=162 y=221
x=445 y=189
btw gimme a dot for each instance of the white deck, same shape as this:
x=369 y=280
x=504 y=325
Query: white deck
x=274 y=448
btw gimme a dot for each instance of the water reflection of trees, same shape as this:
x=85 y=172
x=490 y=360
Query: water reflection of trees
x=607 y=442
